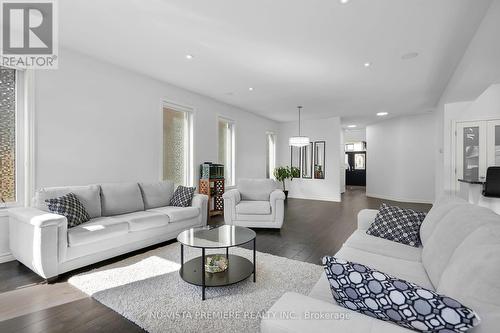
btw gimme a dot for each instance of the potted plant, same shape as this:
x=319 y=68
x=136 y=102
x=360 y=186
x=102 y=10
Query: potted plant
x=283 y=173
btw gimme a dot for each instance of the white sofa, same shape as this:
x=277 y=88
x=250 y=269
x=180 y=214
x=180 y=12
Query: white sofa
x=256 y=203
x=460 y=258
x=124 y=217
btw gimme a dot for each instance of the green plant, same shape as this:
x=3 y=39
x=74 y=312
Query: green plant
x=283 y=173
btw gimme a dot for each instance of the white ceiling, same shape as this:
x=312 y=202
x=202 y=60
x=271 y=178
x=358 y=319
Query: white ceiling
x=307 y=52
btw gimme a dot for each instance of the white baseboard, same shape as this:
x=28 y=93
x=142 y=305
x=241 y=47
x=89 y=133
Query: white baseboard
x=392 y=198
x=313 y=198
x=5 y=257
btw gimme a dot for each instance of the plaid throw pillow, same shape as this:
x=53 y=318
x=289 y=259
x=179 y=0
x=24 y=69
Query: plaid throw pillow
x=68 y=205
x=183 y=196
x=398 y=225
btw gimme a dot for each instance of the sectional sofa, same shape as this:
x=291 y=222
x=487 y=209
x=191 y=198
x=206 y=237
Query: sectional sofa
x=124 y=217
x=460 y=258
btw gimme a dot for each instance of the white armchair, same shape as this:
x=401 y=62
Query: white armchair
x=256 y=203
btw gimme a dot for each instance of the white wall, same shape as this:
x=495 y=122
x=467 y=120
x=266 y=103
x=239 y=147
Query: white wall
x=356 y=135
x=478 y=69
x=318 y=130
x=400 y=159
x=96 y=122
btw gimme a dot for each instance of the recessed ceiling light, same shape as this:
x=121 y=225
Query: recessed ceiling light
x=189 y=56
x=344 y=1
x=251 y=89
x=381 y=114
x=351 y=126
x=409 y=55
x=367 y=64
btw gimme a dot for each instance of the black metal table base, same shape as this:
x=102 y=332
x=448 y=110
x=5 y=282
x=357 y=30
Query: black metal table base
x=239 y=269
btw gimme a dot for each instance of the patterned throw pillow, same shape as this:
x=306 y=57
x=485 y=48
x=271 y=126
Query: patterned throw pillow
x=376 y=294
x=183 y=196
x=397 y=224
x=68 y=205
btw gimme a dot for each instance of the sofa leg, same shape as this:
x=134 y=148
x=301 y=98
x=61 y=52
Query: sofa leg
x=52 y=280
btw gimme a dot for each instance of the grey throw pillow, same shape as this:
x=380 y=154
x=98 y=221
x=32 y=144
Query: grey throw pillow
x=183 y=196
x=68 y=205
x=381 y=296
x=397 y=224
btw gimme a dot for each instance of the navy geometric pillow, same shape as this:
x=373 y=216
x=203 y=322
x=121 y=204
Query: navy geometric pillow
x=397 y=224
x=183 y=196
x=68 y=205
x=381 y=296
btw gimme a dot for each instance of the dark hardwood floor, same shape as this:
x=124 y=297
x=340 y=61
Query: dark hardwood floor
x=311 y=230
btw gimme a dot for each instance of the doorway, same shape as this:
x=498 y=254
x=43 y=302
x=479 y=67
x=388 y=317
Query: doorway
x=355 y=161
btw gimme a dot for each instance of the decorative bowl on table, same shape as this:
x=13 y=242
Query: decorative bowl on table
x=216 y=263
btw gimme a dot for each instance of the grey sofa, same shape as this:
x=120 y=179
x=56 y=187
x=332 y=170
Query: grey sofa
x=124 y=217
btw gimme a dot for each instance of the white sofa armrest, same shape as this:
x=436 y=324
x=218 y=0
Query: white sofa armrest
x=38 y=239
x=299 y=313
x=233 y=195
x=366 y=218
x=201 y=201
x=231 y=199
x=36 y=217
x=277 y=195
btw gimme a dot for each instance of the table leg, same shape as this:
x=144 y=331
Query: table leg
x=203 y=274
x=227 y=253
x=254 y=271
x=182 y=256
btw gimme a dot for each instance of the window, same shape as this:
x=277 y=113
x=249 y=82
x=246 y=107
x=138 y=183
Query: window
x=8 y=135
x=177 y=139
x=226 y=149
x=271 y=154
x=12 y=166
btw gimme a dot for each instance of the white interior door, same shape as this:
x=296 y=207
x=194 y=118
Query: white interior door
x=471 y=154
x=494 y=143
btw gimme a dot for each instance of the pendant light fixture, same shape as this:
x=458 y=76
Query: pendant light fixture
x=299 y=141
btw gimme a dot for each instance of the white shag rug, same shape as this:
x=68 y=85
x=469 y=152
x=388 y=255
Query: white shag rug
x=148 y=290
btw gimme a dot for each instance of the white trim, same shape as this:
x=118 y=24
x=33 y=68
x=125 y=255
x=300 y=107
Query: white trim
x=29 y=136
x=232 y=148
x=5 y=257
x=392 y=198
x=314 y=198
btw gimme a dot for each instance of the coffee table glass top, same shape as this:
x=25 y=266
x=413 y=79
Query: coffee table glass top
x=216 y=237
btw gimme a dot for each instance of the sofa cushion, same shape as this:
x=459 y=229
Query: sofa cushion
x=449 y=233
x=157 y=194
x=143 y=220
x=400 y=225
x=408 y=270
x=472 y=275
x=360 y=240
x=254 y=207
x=177 y=214
x=121 y=198
x=89 y=196
x=69 y=206
x=256 y=189
x=95 y=230
x=377 y=294
x=183 y=196
x=440 y=208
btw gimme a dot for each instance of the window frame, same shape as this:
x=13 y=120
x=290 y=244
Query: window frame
x=232 y=149
x=189 y=137
x=24 y=137
x=269 y=170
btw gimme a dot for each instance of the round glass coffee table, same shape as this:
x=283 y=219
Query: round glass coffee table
x=218 y=237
